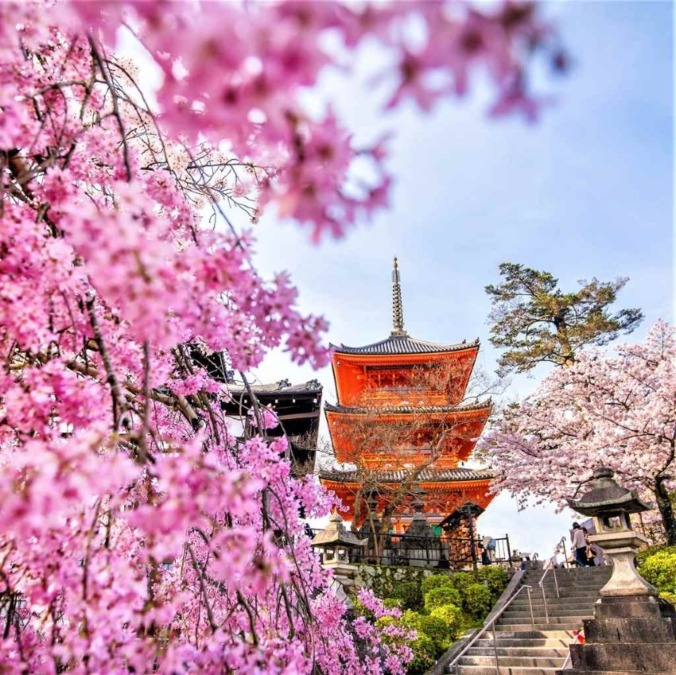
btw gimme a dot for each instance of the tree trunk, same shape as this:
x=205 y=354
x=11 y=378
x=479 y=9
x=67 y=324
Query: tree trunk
x=666 y=509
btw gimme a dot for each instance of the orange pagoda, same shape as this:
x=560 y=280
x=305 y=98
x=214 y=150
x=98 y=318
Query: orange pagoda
x=402 y=426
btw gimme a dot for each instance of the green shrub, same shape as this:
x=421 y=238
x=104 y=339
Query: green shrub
x=495 y=578
x=459 y=579
x=442 y=595
x=658 y=567
x=409 y=592
x=452 y=615
x=435 y=581
x=477 y=600
x=411 y=619
x=462 y=580
x=651 y=550
x=438 y=630
x=424 y=655
x=393 y=603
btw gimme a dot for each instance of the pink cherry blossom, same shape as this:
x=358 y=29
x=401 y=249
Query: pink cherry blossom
x=139 y=532
x=616 y=410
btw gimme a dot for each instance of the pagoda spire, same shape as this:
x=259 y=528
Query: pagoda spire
x=397 y=306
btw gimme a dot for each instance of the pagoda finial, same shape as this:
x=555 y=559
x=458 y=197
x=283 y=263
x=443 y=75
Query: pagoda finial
x=397 y=307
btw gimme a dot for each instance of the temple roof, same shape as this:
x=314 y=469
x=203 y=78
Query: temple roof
x=404 y=344
x=283 y=387
x=401 y=410
x=400 y=475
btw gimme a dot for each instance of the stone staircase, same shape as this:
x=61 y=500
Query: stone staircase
x=540 y=647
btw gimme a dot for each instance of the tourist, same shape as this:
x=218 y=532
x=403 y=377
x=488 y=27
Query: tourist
x=485 y=558
x=579 y=545
x=589 y=553
x=489 y=545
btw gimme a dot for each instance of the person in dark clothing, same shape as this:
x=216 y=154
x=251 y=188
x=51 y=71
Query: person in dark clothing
x=443 y=563
x=579 y=545
x=485 y=558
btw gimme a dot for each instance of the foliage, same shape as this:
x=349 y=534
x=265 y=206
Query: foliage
x=535 y=321
x=658 y=567
x=435 y=581
x=425 y=655
x=452 y=615
x=442 y=620
x=442 y=595
x=442 y=629
x=383 y=579
x=383 y=633
x=476 y=600
x=495 y=578
x=616 y=409
x=438 y=629
x=393 y=603
x=138 y=535
x=409 y=593
x=461 y=580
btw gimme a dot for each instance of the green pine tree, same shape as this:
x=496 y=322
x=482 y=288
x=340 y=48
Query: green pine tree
x=535 y=322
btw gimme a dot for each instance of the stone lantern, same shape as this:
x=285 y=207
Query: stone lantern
x=633 y=631
x=335 y=543
x=422 y=548
x=611 y=506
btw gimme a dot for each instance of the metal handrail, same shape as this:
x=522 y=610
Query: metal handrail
x=491 y=624
x=567 y=661
x=562 y=542
x=542 y=588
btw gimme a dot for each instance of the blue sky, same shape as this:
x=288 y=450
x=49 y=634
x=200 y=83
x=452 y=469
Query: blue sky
x=588 y=191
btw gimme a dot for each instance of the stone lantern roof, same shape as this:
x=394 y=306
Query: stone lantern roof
x=335 y=534
x=606 y=496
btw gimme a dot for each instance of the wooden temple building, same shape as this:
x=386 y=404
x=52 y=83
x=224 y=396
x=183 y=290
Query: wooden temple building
x=297 y=408
x=401 y=428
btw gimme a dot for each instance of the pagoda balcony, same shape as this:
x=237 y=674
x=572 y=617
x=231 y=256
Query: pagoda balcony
x=372 y=437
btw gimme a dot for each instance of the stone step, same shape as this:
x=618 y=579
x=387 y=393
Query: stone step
x=568 y=671
x=581 y=594
x=526 y=643
x=566 y=591
x=513 y=661
x=574 y=619
x=515 y=627
x=549 y=634
x=552 y=603
x=593 y=580
x=565 y=610
x=596 y=580
x=571 y=574
x=532 y=652
x=504 y=670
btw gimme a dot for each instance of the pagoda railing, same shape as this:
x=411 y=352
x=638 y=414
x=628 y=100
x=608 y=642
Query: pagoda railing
x=432 y=552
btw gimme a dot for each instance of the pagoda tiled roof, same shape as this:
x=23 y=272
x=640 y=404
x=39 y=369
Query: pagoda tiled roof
x=400 y=475
x=402 y=410
x=283 y=387
x=404 y=344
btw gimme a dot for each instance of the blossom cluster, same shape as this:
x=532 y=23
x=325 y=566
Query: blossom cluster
x=614 y=409
x=138 y=532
